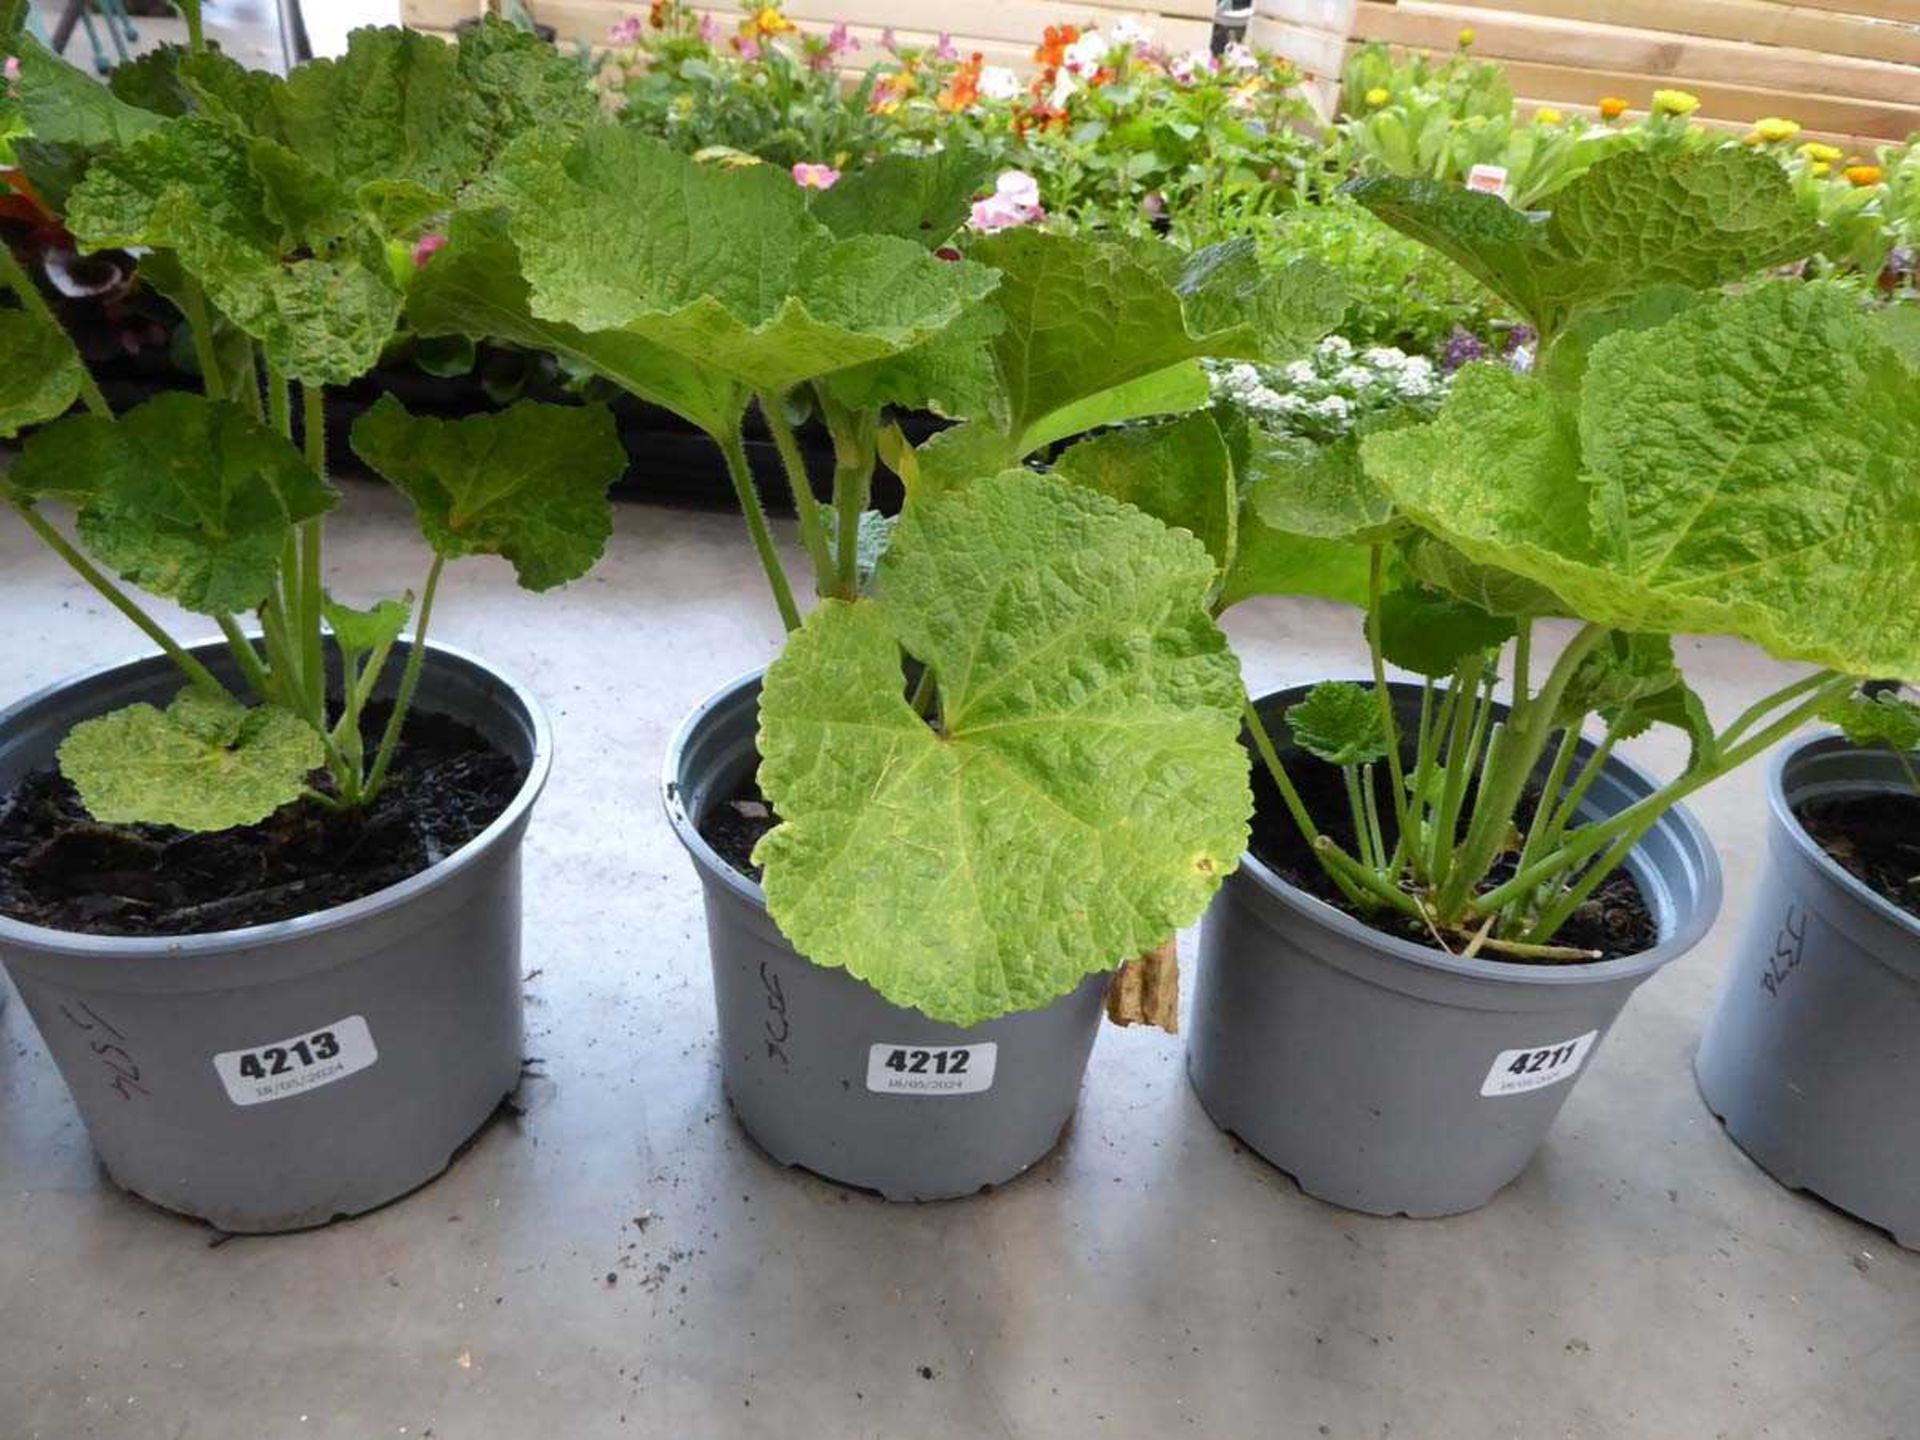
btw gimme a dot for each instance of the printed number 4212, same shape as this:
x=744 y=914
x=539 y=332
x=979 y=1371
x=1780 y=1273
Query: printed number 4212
x=281 y=1059
x=929 y=1062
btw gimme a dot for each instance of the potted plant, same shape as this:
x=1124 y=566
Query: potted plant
x=1456 y=883
x=998 y=758
x=261 y=893
x=1809 y=1056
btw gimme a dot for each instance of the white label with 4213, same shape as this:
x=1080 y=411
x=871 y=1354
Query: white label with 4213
x=1516 y=1071
x=931 y=1069
x=293 y=1066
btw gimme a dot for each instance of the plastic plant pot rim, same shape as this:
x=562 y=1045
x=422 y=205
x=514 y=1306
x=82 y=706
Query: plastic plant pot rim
x=676 y=804
x=1788 y=826
x=1698 y=920
x=302 y=927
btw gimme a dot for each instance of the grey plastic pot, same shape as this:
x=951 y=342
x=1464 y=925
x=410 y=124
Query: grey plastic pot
x=284 y=1075
x=1812 y=1054
x=823 y=1072
x=1395 y=1079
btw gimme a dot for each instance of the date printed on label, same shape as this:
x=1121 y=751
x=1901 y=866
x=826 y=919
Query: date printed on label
x=293 y=1066
x=1514 y=1072
x=931 y=1069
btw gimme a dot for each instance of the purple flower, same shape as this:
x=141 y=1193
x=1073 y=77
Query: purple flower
x=945 y=49
x=624 y=32
x=709 y=30
x=1462 y=348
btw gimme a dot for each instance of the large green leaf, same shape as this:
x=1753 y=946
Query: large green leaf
x=923 y=198
x=206 y=762
x=1430 y=632
x=473 y=287
x=1085 y=322
x=1084 y=793
x=722 y=265
x=189 y=498
x=65 y=106
x=1319 y=490
x=192 y=187
x=1267 y=561
x=1751 y=467
x=1178 y=471
x=529 y=483
x=40 y=377
x=1635 y=220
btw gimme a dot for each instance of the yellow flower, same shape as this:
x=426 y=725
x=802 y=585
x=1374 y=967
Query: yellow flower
x=1377 y=95
x=1547 y=115
x=768 y=21
x=1824 y=154
x=1818 y=167
x=1612 y=107
x=1466 y=36
x=1675 y=102
x=1862 y=175
x=1773 y=130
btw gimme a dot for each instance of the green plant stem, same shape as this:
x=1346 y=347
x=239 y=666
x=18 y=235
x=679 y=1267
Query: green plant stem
x=118 y=598
x=735 y=451
x=247 y=658
x=1459 y=743
x=1590 y=840
x=1325 y=849
x=1511 y=760
x=313 y=422
x=1389 y=723
x=409 y=682
x=193 y=301
x=279 y=403
x=813 y=534
x=1757 y=711
x=853 y=460
x=16 y=279
x=196 y=28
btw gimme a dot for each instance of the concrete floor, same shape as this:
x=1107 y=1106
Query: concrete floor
x=1149 y=1279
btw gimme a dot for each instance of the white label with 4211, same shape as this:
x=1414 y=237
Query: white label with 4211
x=931 y=1069
x=1516 y=1071
x=293 y=1066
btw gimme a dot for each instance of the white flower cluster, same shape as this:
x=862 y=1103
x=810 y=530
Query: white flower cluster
x=1325 y=395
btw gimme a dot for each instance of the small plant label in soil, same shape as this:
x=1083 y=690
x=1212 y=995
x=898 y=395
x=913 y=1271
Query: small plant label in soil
x=1515 y=1072
x=291 y=1067
x=930 y=1070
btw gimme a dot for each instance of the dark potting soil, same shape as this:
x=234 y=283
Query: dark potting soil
x=1615 y=921
x=1874 y=838
x=62 y=869
x=734 y=825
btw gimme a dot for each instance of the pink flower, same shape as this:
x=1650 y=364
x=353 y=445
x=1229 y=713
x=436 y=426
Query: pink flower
x=815 y=177
x=425 y=248
x=747 y=47
x=1153 y=205
x=945 y=49
x=839 y=41
x=822 y=55
x=11 y=71
x=1185 y=69
x=1015 y=201
x=624 y=32
x=890 y=42
x=709 y=30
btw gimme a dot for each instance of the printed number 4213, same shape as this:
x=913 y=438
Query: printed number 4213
x=281 y=1059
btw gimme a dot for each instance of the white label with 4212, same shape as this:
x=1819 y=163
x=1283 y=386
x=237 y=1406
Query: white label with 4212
x=294 y=1066
x=1516 y=1071
x=931 y=1069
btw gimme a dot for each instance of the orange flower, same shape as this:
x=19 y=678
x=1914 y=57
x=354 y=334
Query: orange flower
x=1863 y=175
x=1037 y=116
x=1053 y=48
x=1612 y=107
x=962 y=91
